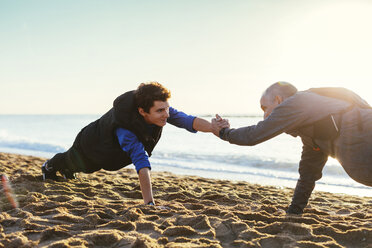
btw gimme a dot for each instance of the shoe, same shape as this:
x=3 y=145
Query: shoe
x=48 y=173
x=68 y=174
x=293 y=209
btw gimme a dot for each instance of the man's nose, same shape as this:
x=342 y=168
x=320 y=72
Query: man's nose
x=167 y=113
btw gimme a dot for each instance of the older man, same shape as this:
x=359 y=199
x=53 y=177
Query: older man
x=330 y=121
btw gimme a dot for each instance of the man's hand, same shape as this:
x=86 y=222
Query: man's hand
x=145 y=183
x=218 y=123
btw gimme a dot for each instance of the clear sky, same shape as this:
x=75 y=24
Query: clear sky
x=76 y=56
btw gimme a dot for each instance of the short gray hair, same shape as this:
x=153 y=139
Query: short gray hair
x=281 y=88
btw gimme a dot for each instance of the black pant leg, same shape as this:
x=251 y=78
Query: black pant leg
x=58 y=162
x=67 y=161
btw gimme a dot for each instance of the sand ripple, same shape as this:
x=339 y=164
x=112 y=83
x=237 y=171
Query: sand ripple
x=105 y=209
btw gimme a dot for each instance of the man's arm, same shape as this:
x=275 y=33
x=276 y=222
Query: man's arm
x=136 y=151
x=311 y=166
x=188 y=122
x=201 y=125
x=145 y=183
x=286 y=117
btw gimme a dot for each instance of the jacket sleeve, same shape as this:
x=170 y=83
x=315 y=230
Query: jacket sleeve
x=297 y=111
x=130 y=144
x=287 y=116
x=181 y=120
x=310 y=169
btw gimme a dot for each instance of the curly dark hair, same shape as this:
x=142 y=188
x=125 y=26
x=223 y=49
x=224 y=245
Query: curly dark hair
x=147 y=93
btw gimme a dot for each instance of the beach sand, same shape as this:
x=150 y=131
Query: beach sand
x=105 y=209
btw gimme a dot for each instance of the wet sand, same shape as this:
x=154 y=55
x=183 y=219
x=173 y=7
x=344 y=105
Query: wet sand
x=105 y=209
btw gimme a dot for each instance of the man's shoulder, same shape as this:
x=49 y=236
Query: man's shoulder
x=172 y=110
x=295 y=100
x=302 y=98
x=125 y=99
x=125 y=133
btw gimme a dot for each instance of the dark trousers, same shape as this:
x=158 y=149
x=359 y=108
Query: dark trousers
x=72 y=161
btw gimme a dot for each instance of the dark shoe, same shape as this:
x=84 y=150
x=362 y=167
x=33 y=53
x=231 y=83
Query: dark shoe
x=293 y=209
x=68 y=174
x=48 y=173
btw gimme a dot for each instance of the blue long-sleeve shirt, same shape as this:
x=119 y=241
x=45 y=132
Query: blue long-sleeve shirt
x=135 y=149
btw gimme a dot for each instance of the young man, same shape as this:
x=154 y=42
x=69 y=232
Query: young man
x=332 y=122
x=126 y=134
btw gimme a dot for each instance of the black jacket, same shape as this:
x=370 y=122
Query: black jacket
x=98 y=142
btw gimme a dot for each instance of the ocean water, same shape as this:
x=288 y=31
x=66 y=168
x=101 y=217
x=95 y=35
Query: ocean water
x=274 y=162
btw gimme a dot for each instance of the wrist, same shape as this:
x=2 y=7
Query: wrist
x=221 y=132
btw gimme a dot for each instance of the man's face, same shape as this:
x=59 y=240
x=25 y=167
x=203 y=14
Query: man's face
x=158 y=114
x=268 y=105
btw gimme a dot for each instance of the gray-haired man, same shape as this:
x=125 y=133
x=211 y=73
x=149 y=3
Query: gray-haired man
x=332 y=122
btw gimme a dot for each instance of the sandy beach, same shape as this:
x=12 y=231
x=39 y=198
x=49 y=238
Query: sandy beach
x=105 y=209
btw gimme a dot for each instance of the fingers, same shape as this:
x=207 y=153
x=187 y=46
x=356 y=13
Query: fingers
x=223 y=124
x=220 y=123
x=215 y=127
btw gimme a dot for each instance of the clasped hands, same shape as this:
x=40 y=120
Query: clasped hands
x=218 y=123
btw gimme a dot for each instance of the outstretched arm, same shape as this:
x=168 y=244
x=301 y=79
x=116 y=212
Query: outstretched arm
x=188 y=122
x=284 y=118
x=201 y=125
x=206 y=126
x=145 y=183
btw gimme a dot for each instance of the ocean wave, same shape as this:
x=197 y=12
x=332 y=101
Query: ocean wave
x=247 y=173
x=20 y=143
x=239 y=163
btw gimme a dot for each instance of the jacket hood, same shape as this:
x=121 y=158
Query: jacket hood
x=125 y=110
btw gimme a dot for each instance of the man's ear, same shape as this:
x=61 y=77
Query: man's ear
x=279 y=99
x=141 y=111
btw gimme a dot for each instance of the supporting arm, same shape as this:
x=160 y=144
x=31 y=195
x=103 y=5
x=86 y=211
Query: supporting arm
x=145 y=183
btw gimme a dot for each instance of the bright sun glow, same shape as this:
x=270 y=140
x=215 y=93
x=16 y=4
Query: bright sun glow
x=333 y=43
x=62 y=58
